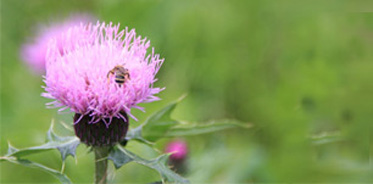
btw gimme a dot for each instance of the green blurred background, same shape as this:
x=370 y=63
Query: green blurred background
x=301 y=72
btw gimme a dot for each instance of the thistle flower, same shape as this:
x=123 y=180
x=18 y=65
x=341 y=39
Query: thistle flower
x=179 y=152
x=34 y=52
x=83 y=78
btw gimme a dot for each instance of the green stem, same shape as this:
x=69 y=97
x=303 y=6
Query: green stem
x=101 y=154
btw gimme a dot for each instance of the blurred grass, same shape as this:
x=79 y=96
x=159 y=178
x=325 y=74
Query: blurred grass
x=293 y=68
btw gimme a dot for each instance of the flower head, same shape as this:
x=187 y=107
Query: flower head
x=34 y=52
x=80 y=78
x=178 y=149
x=85 y=76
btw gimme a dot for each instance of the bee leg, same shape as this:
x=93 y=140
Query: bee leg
x=108 y=75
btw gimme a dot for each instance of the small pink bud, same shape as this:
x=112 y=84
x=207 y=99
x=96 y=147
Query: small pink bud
x=178 y=149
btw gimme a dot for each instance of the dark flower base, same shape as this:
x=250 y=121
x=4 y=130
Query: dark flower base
x=98 y=134
x=178 y=165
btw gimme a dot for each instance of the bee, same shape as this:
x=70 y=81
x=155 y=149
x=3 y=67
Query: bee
x=121 y=74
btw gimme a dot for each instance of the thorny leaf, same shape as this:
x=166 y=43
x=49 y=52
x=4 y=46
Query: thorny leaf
x=121 y=156
x=65 y=145
x=61 y=177
x=160 y=124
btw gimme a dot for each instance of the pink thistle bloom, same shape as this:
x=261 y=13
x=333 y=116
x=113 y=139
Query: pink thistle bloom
x=79 y=77
x=34 y=52
x=178 y=149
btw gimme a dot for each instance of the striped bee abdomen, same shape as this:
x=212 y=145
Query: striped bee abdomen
x=119 y=79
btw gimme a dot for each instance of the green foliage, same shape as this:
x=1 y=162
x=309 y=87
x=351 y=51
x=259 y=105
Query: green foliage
x=326 y=138
x=189 y=129
x=61 y=177
x=121 y=156
x=65 y=145
x=160 y=125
